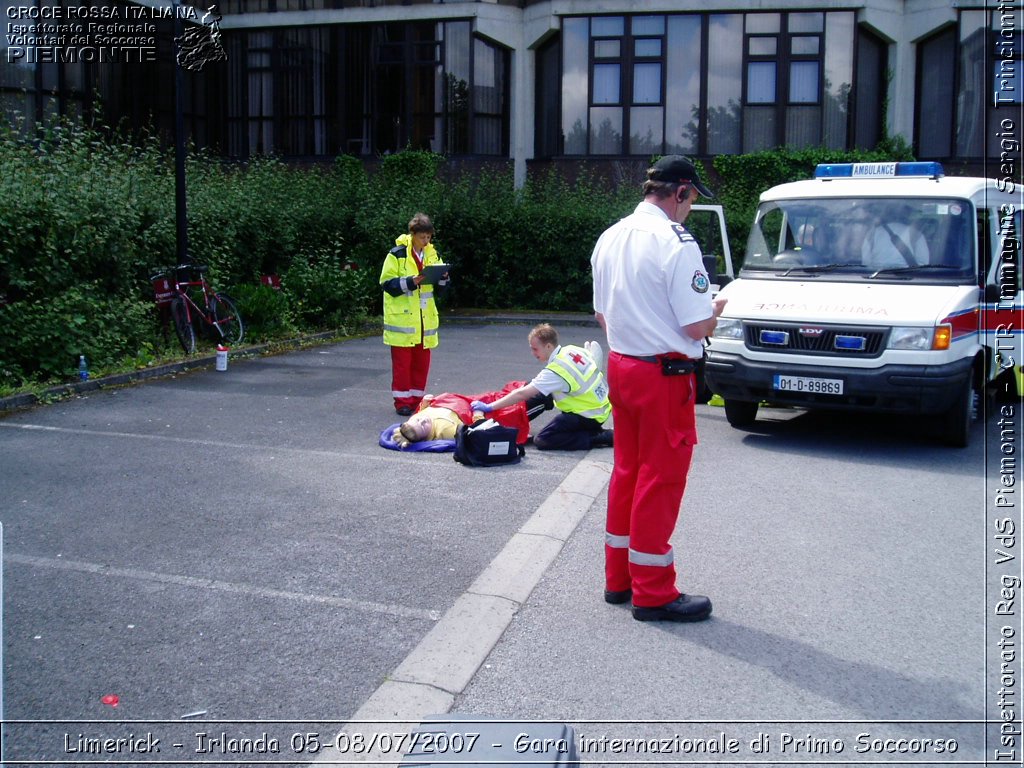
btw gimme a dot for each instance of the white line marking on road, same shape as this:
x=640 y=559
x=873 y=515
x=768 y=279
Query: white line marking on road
x=386 y=609
x=409 y=458
x=172 y=439
x=444 y=662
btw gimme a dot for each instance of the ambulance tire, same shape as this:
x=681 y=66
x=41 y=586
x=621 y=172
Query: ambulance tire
x=956 y=423
x=741 y=413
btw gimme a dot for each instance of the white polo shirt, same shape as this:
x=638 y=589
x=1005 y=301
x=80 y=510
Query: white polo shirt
x=649 y=282
x=547 y=381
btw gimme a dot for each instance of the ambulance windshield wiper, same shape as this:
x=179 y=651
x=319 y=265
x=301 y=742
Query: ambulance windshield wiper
x=816 y=268
x=915 y=268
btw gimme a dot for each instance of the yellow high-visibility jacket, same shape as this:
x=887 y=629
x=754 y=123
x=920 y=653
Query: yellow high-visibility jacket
x=410 y=314
x=588 y=390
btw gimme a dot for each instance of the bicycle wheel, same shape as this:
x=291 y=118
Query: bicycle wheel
x=227 y=323
x=182 y=326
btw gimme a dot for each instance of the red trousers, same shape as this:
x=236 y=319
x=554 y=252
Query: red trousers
x=409 y=369
x=655 y=431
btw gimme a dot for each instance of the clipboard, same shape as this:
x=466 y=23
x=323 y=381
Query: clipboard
x=434 y=272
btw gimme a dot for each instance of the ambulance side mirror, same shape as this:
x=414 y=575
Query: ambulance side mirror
x=992 y=294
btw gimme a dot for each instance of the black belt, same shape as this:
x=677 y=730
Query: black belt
x=657 y=358
x=672 y=363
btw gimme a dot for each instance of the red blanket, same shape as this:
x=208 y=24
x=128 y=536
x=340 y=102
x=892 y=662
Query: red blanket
x=512 y=416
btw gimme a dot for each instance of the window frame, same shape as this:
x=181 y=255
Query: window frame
x=784 y=60
x=627 y=60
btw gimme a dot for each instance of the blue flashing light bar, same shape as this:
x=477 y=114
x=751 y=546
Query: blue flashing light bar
x=926 y=170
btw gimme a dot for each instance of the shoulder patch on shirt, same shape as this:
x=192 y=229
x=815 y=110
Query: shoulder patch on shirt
x=682 y=234
x=700 y=282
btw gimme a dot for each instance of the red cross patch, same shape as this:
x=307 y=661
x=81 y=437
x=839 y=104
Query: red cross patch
x=577 y=358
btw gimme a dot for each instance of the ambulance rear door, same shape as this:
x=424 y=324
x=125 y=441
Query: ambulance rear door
x=1002 y=316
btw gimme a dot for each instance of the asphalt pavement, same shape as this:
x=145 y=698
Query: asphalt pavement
x=223 y=546
x=231 y=554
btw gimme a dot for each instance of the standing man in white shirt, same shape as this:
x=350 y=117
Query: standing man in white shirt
x=653 y=299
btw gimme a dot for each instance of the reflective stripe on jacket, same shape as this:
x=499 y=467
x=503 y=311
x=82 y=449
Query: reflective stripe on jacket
x=588 y=390
x=411 y=317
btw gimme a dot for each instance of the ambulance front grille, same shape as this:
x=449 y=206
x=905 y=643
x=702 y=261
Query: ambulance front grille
x=813 y=339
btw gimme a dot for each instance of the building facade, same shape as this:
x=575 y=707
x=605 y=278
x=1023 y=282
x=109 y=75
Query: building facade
x=545 y=80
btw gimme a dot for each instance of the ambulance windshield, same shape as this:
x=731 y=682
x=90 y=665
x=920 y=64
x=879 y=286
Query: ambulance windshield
x=929 y=240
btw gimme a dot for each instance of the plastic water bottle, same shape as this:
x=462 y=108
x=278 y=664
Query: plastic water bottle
x=222 y=357
x=83 y=368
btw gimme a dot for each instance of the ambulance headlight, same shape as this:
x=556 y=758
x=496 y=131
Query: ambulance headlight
x=911 y=338
x=729 y=328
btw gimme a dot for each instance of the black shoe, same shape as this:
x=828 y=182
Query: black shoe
x=602 y=439
x=683 y=608
x=618 y=598
x=404 y=410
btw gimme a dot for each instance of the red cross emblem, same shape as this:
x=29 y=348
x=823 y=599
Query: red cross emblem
x=577 y=358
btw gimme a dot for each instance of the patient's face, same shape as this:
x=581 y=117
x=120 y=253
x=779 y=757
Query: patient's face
x=421 y=426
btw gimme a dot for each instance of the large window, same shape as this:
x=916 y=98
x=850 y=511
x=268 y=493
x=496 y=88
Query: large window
x=990 y=67
x=618 y=64
x=424 y=85
x=547 y=84
x=870 y=82
x=936 y=93
x=368 y=89
x=310 y=91
x=969 y=81
x=797 y=91
x=705 y=84
x=38 y=85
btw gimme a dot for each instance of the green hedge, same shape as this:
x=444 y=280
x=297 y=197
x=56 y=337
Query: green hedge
x=88 y=218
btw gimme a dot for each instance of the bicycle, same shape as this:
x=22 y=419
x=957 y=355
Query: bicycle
x=196 y=304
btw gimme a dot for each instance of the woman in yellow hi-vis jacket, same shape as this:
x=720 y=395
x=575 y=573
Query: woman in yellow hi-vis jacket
x=410 y=314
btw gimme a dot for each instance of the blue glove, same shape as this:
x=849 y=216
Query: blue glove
x=476 y=405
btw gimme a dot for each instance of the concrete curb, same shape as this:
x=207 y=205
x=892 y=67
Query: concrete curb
x=430 y=678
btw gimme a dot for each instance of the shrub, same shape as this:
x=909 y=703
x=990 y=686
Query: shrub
x=264 y=310
x=88 y=217
x=43 y=338
x=322 y=294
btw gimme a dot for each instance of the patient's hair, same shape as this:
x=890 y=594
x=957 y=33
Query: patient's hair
x=545 y=334
x=409 y=432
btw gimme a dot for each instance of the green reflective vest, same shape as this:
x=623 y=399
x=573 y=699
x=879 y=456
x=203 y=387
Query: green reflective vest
x=588 y=390
x=412 y=317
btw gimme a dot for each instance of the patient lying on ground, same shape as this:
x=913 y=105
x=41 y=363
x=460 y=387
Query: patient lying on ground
x=439 y=416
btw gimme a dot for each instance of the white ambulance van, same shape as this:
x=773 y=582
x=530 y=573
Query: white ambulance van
x=881 y=287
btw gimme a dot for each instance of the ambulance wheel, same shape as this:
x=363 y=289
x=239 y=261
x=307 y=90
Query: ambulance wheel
x=956 y=423
x=740 y=413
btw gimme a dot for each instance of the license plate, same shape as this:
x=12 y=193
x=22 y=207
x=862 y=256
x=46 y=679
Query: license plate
x=807 y=384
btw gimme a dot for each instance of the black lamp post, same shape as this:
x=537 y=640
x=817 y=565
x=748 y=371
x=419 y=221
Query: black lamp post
x=180 y=212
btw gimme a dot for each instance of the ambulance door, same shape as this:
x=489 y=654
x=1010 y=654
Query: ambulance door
x=999 y=235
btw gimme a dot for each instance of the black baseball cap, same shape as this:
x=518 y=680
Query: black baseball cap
x=677 y=170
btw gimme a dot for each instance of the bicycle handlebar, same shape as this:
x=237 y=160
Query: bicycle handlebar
x=200 y=268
